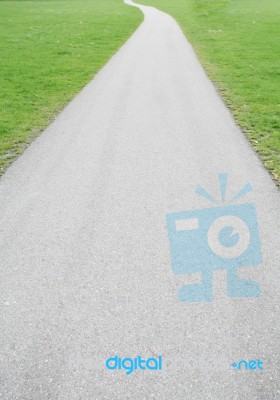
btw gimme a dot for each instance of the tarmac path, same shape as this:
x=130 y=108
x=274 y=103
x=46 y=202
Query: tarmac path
x=85 y=262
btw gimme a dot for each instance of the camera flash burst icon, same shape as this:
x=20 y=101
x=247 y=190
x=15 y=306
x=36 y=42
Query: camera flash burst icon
x=225 y=236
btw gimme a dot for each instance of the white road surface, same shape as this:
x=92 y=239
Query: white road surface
x=85 y=266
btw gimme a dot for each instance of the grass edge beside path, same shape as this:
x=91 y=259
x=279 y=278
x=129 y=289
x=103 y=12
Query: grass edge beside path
x=49 y=51
x=237 y=43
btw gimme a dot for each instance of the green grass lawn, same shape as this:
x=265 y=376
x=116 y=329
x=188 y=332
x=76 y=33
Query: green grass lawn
x=48 y=51
x=238 y=43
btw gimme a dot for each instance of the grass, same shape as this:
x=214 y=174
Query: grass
x=48 y=51
x=238 y=43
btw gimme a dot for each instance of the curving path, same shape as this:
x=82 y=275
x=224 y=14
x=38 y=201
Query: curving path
x=85 y=265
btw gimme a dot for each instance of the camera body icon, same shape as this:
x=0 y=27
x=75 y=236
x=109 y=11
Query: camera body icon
x=223 y=237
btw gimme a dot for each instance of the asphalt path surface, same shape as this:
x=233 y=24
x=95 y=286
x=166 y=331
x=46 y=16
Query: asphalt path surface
x=86 y=272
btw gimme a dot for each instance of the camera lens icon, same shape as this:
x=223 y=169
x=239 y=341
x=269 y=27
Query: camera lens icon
x=224 y=237
x=215 y=238
x=228 y=236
